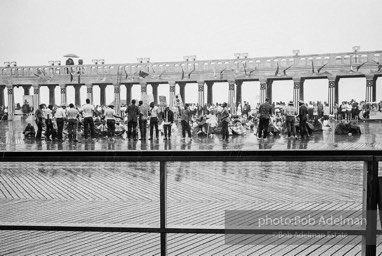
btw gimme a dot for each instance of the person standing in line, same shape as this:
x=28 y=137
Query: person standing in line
x=72 y=115
x=143 y=113
x=88 y=111
x=265 y=112
x=60 y=116
x=132 y=120
x=168 y=120
x=185 y=122
x=290 y=113
x=39 y=115
x=153 y=113
x=225 y=121
x=110 y=121
x=303 y=115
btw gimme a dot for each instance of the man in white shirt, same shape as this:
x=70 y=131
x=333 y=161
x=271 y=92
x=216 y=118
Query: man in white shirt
x=110 y=120
x=153 y=113
x=60 y=116
x=72 y=115
x=88 y=112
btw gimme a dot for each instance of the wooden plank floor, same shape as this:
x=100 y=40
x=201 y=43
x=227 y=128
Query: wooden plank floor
x=198 y=195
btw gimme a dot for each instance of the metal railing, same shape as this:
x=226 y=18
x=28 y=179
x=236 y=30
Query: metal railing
x=370 y=186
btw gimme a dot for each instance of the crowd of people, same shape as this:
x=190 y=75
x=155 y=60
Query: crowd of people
x=151 y=121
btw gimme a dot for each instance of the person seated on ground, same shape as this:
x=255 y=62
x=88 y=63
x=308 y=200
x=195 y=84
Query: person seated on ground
x=119 y=129
x=29 y=131
x=349 y=128
x=101 y=130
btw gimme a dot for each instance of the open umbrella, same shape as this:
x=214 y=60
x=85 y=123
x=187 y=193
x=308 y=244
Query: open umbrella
x=71 y=55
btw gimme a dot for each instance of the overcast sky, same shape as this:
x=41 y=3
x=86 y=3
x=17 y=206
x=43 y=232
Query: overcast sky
x=36 y=31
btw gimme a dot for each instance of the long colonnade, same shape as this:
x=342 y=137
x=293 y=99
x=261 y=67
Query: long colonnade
x=205 y=73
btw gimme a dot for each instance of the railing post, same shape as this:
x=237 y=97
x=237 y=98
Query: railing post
x=163 y=207
x=370 y=192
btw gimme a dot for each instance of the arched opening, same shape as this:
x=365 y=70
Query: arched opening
x=282 y=91
x=379 y=89
x=316 y=90
x=352 y=88
x=250 y=92
x=109 y=94
x=191 y=93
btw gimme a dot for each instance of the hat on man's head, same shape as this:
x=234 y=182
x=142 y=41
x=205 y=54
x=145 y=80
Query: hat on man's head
x=290 y=103
x=111 y=106
x=301 y=102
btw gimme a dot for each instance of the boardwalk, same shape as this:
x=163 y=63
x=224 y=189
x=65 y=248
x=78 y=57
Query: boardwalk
x=199 y=193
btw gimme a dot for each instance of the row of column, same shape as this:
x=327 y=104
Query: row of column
x=265 y=92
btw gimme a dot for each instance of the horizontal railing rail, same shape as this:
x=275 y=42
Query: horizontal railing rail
x=370 y=187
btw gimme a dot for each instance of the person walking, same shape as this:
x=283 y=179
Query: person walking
x=290 y=113
x=60 y=116
x=88 y=111
x=303 y=116
x=225 y=121
x=153 y=113
x=168 y=120
x=132 y=112
x=185 y=122
x=143 y=115
x=72 y=115
x=39 y=115
x=265 y=112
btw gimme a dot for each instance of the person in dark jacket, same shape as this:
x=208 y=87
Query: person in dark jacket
x=132 y=120
x=265 y=112
x=168 y=119
x=303 y=116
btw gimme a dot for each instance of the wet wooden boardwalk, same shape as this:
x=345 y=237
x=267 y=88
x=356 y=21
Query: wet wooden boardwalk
x=198 y=195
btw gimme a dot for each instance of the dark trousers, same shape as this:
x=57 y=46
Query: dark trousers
x=263 y=127
x=290 y=120
x=72 y=129
x=60 y=127
x=39 y=128
x=225 y=130
x=88 y=121
x=49 y=128
x=143 y=128
x=303 y=128
x=110 y=127
x=132 y=127
x=185 y=128
x=167 y=130
x=154 y=123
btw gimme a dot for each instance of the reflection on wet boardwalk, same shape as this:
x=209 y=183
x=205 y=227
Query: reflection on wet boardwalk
x=11 y=139
x=199 y=193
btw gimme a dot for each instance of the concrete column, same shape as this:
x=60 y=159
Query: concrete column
x=172 y=93
x=128 y=93
x=182 y=86
x=36 y=96
x=77 y=94
x=155 y=92
x=201 y=93
x=11 y=103
x=371 y=88
x=210 y=92
x=269 y=90
x=63 y=93
x=27 y=89
x=89 y=92
x=333 y=92
x=51 y=88
x=231 y=96
x=102 y=89
x=2 y=95
x=143 y=89
x=238 y=91
x=298 y=83
x=302 y=90
x=117 y=98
